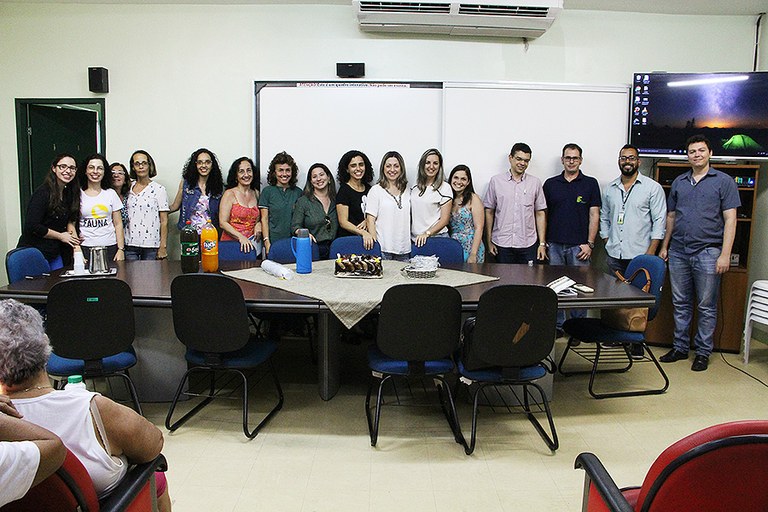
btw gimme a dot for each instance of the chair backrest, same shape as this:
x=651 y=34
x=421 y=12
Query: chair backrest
x=515 y=327
x=445 y=248
x=69 y=489
x=229 y=250
x=657 y=269
x=352 y=245
x=722 y=467
x=209 y=313
x=419 y=322
x=90 y=318
x=25 y=261
x=280 y=251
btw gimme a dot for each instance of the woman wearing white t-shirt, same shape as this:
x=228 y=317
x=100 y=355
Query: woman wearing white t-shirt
x=101 y=223
x=388 y=209
x=431 y=199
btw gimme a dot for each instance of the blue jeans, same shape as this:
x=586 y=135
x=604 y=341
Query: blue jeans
x=615 y=264
x=566 y=254
x=140 y=253
x=396 y=257
x=694 y=280
x=517 y=254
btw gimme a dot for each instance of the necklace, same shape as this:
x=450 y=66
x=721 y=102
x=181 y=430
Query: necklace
x=398 y=199
x=37 y=387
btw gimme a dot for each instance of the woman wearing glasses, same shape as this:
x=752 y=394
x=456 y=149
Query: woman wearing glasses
x=147 y=235
x=239 y=215
x=316 y=209
x=101 y=224
x=52 y=213
x=355 y=174
x=431 y=199
x=199 y=191
x=388 y=210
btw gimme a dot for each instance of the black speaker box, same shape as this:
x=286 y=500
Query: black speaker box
x=98 y=80
x=350 y=69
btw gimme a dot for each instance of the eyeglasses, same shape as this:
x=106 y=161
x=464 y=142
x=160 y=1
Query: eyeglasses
x=572 y=158
x=117 y=172
x=627 y=159
x=65 y=167
x=140 y=164
x=327 y=222
x=203 y=162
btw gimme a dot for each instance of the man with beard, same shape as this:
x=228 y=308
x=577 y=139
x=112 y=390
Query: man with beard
x=633 y=213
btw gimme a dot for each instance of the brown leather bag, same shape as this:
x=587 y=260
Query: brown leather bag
x=628 y=319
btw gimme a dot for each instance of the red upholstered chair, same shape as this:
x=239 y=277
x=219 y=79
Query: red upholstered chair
x=721 y=468
x=70 y=489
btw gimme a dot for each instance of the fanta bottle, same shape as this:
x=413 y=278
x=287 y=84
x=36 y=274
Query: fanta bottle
x=209 y=243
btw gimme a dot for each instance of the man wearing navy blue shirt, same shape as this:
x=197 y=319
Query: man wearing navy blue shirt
x=701 y=226
x=573 y=211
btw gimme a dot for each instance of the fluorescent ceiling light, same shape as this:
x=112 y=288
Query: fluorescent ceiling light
x=713 y=80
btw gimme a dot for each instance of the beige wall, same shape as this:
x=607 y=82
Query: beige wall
x=181 y=76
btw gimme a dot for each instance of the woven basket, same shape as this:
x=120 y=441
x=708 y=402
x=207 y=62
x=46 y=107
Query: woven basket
x=418 y=273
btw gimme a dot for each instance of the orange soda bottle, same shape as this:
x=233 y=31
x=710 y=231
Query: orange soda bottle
x=209 y=245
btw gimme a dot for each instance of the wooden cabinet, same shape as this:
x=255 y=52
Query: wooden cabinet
x=733 y=286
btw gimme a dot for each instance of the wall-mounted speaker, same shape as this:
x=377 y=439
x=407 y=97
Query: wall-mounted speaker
x=350 y=69
x=98 y=80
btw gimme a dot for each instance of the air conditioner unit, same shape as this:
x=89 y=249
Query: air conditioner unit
x=498 y=18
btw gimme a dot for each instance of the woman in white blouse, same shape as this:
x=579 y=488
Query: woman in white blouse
x=147 y=234
x=431 y=199
x=388 y=209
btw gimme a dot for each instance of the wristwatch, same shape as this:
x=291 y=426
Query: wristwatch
x=591 y=244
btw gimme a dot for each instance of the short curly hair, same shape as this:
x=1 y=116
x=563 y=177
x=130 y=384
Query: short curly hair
x=24 y=346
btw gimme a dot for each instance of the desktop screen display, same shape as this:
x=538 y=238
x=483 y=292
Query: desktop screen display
x=730 y=109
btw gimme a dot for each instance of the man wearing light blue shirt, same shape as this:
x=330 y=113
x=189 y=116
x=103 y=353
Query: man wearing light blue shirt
x=633 y=213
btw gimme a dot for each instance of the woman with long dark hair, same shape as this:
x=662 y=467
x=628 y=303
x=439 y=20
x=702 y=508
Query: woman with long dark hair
x=52 y=213
x=316 y=209
x=355 y=174
x=199 y=191
x=101 y=224
x=239 y=215
x=467 y=215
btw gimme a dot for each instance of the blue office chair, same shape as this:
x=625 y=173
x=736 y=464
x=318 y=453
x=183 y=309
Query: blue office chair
x=91 y=327
x=594 y=331
x=280 y=251
x=25 y=261
x=445 y=248
x=218 y=340
x=352 y=245
x=508 y=347
x=410 y=343
x=229 y=250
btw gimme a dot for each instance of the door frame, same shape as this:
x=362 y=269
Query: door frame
x=22 y=138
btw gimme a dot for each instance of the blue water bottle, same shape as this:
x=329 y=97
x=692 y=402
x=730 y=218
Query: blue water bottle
x=301 y=245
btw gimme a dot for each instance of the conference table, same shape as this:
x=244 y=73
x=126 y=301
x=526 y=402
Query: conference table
x=150 y=283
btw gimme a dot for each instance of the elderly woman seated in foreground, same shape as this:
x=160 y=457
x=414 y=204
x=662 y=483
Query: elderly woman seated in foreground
x=105 y=436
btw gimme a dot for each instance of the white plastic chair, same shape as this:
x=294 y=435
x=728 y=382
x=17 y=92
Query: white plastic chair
x=757 y=311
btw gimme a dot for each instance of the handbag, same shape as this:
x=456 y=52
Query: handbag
x=628 y=319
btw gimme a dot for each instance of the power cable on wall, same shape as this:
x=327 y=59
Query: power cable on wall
x=757 y=40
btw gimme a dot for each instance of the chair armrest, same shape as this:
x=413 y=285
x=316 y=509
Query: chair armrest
x=133 y=482
x=596 y=475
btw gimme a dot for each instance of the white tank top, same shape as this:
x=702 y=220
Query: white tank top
x=67 y=414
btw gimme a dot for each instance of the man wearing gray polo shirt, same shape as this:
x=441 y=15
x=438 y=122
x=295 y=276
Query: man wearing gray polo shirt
x=633 y=213
x=701 y=226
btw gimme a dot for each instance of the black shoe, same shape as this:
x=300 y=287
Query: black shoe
x=636 y=351
x=700 y=363
x=672 y=356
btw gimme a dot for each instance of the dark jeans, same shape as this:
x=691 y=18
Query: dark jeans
x=140 y=253
x=516 y=254
x=615 y=264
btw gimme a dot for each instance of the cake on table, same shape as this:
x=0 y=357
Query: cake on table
x=357 y=265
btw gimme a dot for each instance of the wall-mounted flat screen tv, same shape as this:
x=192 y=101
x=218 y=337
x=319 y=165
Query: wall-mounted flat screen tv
x=730 y=109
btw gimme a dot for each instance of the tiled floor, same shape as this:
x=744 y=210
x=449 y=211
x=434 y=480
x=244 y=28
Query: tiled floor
x=316 y=455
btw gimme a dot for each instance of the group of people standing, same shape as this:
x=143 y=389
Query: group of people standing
x=522 y=219
x=693 y=228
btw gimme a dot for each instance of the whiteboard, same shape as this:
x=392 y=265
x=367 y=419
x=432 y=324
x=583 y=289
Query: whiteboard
x=481 y=122
x=320 y=121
